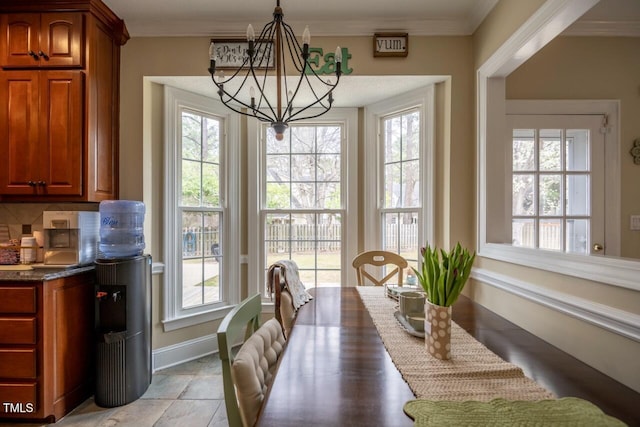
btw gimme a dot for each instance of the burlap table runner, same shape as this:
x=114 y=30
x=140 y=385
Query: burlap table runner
x=473 y=373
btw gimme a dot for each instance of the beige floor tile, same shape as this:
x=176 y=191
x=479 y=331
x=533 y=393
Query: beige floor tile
x=204 y=387
x=167 y=386
x=141 y=413
x=194 y=413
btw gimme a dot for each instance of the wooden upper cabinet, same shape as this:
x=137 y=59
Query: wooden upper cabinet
x=41 y=132
x=59 y=100
x=34 y=40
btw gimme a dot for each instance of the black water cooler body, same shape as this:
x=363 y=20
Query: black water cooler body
x=123 y=329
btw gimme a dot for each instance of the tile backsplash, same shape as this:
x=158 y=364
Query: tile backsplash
x=15 y=215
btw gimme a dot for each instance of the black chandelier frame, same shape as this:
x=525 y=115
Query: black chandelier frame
x=273 y=39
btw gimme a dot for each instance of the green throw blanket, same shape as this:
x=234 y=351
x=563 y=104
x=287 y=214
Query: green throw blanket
x=568 y=411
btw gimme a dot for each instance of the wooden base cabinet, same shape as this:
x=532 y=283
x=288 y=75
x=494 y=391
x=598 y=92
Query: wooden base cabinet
x=46 y=347
x=59 y=100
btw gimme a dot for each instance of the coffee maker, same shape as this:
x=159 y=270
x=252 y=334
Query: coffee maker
x=70 y=237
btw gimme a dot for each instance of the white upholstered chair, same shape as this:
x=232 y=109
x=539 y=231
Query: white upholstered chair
x=371 y=259
x=248 y=374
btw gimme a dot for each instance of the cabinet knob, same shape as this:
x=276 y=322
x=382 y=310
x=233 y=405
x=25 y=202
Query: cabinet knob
x=34 y=55
x=31 y=183
x=42 y=183
x=43 y=55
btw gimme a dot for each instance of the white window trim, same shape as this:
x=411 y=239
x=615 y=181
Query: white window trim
x=550 y=19
x=173 y=315
x=348 y=117
x=423 y=99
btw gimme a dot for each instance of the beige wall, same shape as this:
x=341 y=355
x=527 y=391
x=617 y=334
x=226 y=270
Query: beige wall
x=613 y=354
x=594 y=68
x=141 y=134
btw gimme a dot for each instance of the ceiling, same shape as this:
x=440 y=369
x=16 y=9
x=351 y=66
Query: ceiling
x=224 y=18
x=326 y=17
x=152 y=18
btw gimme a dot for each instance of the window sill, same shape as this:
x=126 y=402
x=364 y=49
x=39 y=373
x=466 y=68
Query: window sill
x=208 y=316
x=195 y=319
x=613 y=271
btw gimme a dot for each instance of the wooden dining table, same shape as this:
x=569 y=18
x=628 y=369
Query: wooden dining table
x=335 y=370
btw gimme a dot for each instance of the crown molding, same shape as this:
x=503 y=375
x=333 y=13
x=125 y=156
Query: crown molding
x=604 y=29
x=417 y=27
x=480 y=11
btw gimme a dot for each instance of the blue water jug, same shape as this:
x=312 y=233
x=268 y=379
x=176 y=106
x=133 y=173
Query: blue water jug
x=121 y=228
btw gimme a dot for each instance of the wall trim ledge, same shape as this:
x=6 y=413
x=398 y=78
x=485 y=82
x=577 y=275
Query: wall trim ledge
x=611 y=319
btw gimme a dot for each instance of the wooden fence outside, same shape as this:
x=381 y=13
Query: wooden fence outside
x=304 y=238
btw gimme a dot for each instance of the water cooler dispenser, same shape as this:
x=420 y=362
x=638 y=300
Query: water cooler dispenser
x=123 y=307
x=123 y=323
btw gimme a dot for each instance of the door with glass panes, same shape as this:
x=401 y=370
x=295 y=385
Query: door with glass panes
x=557 y=182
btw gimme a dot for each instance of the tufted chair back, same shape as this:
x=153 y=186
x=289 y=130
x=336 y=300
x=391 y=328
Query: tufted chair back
x=247 y=375
x=254 y=367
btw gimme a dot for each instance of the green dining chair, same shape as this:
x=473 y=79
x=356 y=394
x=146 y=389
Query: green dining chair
x=248 y=373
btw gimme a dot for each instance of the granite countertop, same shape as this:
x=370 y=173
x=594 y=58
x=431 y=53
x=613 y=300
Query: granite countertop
x=40 y=274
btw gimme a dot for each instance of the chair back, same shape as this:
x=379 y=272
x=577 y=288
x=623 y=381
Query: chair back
x=243 y=319
x=284 y=310
x=379 y=259
x=254 y=368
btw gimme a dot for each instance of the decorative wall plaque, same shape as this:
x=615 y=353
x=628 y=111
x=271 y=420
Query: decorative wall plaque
x=231 y=54
x=390 y=44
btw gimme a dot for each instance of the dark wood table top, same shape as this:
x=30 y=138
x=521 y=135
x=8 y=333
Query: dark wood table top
x=335 y=370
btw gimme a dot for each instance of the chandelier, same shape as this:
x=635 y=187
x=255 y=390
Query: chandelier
x=246 y=91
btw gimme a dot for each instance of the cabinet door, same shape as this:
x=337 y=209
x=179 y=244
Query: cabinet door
x=61 y=40
x=60 y=154
x=36 y=40
x=21 y=45
x=19 y=110
x=41 y=117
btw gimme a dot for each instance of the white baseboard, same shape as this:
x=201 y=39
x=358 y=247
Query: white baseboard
x=614 y=320
x=176 y=354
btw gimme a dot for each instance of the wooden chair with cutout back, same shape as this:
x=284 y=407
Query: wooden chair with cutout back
x=246 y=376
x=372 y=259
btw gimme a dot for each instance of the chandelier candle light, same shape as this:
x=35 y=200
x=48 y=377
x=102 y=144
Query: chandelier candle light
x=276 y=38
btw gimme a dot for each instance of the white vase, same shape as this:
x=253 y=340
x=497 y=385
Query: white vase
x=437 y=330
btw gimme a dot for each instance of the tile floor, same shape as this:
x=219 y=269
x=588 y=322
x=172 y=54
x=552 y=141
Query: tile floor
x=190 y=395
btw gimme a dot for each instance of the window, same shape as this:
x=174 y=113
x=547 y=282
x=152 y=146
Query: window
x=557 y=182
x=403 y=171
x=305 y=199
x=401 y=183
x=198 y=252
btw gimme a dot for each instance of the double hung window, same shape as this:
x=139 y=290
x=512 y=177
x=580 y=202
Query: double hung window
x=199 y=193
x=402 y=169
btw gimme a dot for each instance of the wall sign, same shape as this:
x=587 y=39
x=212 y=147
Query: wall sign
x=390 y=44
x=325 y=63
x=232 y=53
